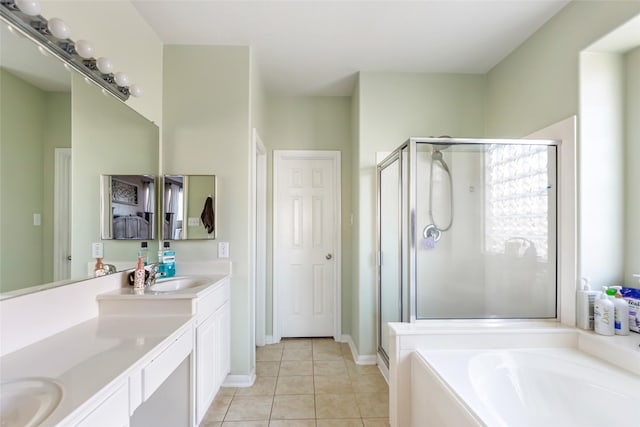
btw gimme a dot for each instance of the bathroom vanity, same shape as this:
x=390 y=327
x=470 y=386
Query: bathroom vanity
x=119 y=359
x=207 y=300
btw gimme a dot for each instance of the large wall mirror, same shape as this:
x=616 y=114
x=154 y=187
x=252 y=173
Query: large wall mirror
x=189 y=207
x=58 y=134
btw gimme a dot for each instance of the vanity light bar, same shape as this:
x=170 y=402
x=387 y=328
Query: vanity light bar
x=41 y=31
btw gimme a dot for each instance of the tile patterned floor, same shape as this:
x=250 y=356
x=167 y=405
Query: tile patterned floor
x=305 y=383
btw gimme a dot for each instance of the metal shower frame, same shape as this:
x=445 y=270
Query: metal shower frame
x=411 y=147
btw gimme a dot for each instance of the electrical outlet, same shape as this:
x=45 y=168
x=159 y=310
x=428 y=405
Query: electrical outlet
x=96 y=250
x=223 y=249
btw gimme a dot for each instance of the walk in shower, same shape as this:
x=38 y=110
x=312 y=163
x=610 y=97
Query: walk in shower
x=466 y=230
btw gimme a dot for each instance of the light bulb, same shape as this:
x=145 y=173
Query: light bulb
x=104 y=65
x=29 y=7
x=135 y=90
x=59 y=28
x=121 y=79
x=84 y=49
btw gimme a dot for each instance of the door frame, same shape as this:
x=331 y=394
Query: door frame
x=259 y=233
x=279 y=156
x=62 y=214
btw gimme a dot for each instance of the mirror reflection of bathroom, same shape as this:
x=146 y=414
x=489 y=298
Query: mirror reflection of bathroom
x=189 y=205
x=128 y=207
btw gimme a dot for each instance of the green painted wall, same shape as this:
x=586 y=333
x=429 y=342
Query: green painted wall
x=632 y=156
x=537 y=84
x=22 y=133
x=313 y=123
x=34 y=123
x=206 y=128
x=109 y=138
x=393 y=107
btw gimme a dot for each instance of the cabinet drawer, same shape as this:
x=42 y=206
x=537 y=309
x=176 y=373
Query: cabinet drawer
x=113 y=412
x=208 y=304
x=159 y=369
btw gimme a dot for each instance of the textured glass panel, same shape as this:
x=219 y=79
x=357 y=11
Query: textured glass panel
x=517 y=206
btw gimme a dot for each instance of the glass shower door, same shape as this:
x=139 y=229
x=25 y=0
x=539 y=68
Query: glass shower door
x=390 y=251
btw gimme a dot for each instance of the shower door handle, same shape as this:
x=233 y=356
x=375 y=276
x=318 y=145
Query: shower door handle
x=329 y=256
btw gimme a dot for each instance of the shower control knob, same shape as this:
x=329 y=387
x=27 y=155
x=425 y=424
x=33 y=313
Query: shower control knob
x=329 y=256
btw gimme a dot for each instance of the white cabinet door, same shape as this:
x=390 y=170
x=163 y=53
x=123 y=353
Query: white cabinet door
x=213 y=348
x=205 y=366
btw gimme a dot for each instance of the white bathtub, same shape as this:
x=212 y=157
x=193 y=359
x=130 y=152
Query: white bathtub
x=549 y=387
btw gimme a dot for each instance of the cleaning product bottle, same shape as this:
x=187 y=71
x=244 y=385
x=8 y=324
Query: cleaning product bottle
x=169 y=260
x=603 y=314
x=144 y=252
x=138 y=278
x=162 y=272
x=621 y=307
x=585 y=300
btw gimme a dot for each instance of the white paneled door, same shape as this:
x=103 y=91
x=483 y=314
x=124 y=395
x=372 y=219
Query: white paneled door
x=306 y=243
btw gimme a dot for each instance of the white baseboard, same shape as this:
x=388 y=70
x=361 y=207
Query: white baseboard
x=366 y=359
x=240 y=380
x=268 y=339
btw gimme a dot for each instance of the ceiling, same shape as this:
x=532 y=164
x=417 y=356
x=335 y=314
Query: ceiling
x=307 y=47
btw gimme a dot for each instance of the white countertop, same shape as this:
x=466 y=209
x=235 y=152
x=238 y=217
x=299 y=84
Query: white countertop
x=85 y=359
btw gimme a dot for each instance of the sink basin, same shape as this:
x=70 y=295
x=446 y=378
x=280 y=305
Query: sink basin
x=179 y=283
x=27 y=402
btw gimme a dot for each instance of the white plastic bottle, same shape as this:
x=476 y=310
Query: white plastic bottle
x=585 y=300
x=604 y=314
x=621 y=307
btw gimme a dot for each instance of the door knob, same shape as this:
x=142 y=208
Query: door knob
x=329 y=256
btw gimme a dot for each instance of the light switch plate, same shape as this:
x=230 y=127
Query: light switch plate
x=193 y=221
x=223 y=249
x=37 y=219
x=96 y=250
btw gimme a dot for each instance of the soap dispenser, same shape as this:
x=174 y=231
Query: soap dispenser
x=98 y=269
x=604 y=314
x=621 y=307
x=138 y=278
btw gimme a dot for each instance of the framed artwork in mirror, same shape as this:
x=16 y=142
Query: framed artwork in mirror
x=123 y=192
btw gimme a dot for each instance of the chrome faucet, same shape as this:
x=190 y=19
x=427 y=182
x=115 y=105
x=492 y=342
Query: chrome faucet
x=150 y=280
x=109 y=268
